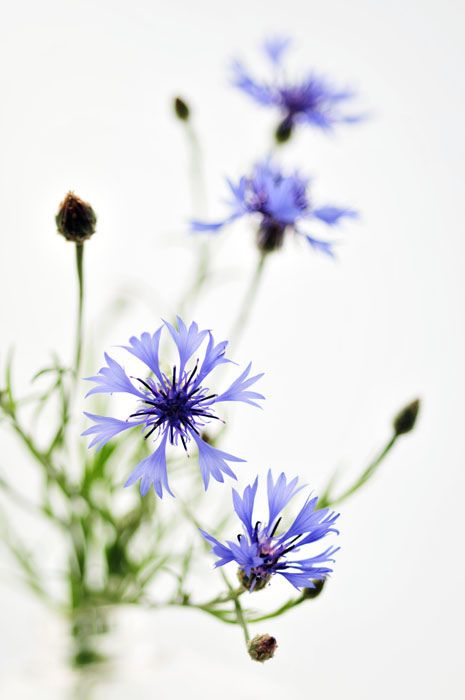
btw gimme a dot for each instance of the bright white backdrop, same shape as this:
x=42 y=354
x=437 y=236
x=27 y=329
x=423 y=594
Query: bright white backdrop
x=86 y=90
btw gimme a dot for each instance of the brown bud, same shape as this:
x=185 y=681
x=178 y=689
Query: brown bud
x=284 y=130
x=405 y=420
x=262 y=647
x=181 y=109
x=75 y=219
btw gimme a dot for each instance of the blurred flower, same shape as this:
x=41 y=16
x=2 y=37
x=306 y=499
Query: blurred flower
x=311 y=100
x=174 y=408
x=280 y=203
x=75 y=219
x=261 y=552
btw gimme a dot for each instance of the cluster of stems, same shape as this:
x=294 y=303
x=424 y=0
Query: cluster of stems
x=113 y=556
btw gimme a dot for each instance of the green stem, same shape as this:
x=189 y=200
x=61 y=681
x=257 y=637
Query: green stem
x=80 y=275
x=198 y=195
x=248 y=300
x=367 y=474
x=241 y=619
x=50 y=470
x=235 y=593
x=196 y=172
x=28 y=505
x=279 y=611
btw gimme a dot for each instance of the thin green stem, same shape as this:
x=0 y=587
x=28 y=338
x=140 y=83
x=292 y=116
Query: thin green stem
x=248 y=300
x=28 y=505
x=235 y=593
x=50 y=470
x=279 y=611
x=199 y=199
x=327 y=499
x=197 y=181
x=241 y=619
x=80 y=312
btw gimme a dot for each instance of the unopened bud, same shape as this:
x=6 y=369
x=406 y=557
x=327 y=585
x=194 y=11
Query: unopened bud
x=314 y=592
x=75 y=219
x=405 y=420
x=181 y=109
x=252 y=582
x=284 y=130
x=262 y=647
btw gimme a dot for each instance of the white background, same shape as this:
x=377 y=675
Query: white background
x=86 y=90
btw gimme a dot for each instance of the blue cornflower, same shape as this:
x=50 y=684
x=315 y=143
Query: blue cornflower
x=173 y=408
x=262 y=550
x=312 y=100
x=280 y=203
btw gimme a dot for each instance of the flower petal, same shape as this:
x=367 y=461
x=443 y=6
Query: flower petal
x=106 y=428
x=244 y=506
x=112 y=379
x=187 y=340
x=152 y=471
x=145 y=349
x=333 y=215
x=238 y=389
x=279 y=495
x=213 y=462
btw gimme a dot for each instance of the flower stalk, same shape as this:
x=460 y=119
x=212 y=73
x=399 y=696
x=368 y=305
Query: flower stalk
x=80 y=308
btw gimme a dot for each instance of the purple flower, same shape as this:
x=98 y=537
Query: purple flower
x=311 y=100
x=280 y=203
x=263 y=549
x=172 y=408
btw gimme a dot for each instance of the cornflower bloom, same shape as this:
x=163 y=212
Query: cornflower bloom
x=262 y=550
x=174 y=408
x=311 y=100
x=280 y=203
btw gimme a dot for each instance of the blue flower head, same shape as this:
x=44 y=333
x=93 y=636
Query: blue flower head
x=280 y=203
x=174 y=407
x=311 y=100
x=263 y=549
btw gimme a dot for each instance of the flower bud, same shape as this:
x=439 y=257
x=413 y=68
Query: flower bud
x=181 y=109
x=262 y=647
x=252 y=583
x=75 y=219
x=405 y=420
x=314 y=592
x=284 y=131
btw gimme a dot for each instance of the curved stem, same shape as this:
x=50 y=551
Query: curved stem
x=328 y=500
x=248 y=300
x=279 y=611
x=199 y=199
x=241 y=619
x=80 y=312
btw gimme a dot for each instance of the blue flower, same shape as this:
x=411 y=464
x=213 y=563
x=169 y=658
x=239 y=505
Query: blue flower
x=280 y=203
x=263 y=550
x=172 y=408
x=311 y=100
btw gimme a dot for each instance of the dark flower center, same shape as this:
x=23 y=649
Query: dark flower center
x=175 y=405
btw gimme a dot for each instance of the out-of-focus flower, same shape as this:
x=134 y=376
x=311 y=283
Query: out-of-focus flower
x=75 y=219
x=311 y=100
x=262 y=550
x=279 y=203
x=174 y=408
